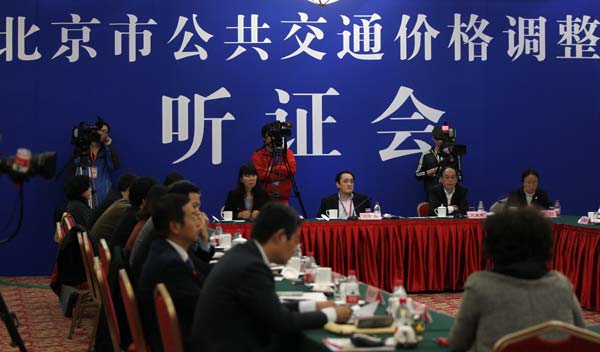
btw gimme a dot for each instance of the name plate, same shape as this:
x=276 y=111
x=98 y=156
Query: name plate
x=549 y=213
x=584 y=220
x=369 y=216
x=476 y=214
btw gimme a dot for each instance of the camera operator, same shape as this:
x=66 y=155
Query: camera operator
x=429 y=163
x=94 y=156
x=274 y=162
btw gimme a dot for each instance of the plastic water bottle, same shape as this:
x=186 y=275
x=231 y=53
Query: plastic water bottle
x=557 y=207
x=217 y=235
x=350 y=289
x=298 y=252
x=377 y=209
x=480 y=206
x=310 y=267
x=394 y=300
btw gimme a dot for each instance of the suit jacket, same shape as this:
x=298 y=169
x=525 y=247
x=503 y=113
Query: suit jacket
x=238 y=309
x=165 y=265
x=517 y=198
x=437 y=197
x=235 y=201
x=332 y=202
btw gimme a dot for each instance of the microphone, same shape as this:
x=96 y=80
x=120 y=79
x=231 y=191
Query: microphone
x=355 y=216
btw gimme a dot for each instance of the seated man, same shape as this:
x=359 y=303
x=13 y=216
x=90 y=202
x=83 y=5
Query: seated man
x=345 y=200
x=178 y=225
x=108 y=221
x=114 y=195
x=449 y=194
x=202 y=249
x=239 y=310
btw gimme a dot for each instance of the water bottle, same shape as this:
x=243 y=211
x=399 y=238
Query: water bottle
x=557 y=207
x=216 y=237
x=298 y=252
x=310 y=267
x=480 y=207
x=377 y=209
x=350 y=289
x=597 y=213
x=394 y=300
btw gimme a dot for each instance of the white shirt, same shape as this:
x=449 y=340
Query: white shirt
x=529 y=197
x=345 y=206
x=182 y=252
x=448 y=199
x=303 y=306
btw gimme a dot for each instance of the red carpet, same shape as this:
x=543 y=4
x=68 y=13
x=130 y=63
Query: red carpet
x=44 y=329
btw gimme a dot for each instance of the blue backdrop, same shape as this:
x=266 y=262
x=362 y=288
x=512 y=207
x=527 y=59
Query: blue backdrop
x=363 y=81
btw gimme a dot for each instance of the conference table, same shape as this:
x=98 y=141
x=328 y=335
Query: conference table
x=439 y=327
x=432 y=254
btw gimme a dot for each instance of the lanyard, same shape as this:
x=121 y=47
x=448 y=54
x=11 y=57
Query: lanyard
x=93 y=156
x=344 y=207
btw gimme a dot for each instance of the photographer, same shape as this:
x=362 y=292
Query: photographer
x=274 y=162
x=428 y=167
x=94 y=156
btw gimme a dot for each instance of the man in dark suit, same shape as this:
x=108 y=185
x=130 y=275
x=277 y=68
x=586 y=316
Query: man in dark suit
x=346 y=202
x=179 y=226
x=449 y=194
x=529 y=194
x=238 y=309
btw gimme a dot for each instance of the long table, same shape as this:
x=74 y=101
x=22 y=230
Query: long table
x=437 y=254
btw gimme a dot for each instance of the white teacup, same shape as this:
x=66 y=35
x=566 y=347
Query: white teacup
x=295 y=263
x=227 y=215
x=226 y=240
x=323 y=276
x=592 y=216
x=332 y=213
x=440 y=211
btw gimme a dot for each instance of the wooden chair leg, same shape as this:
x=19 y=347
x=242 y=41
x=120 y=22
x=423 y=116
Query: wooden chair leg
x=76 y=314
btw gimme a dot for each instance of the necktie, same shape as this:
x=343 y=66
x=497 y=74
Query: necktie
x=190 y=265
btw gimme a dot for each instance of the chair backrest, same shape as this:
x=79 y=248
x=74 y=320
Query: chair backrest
x=167 y=320
x=531 y=339
x=498 y=205
x=64 y=226
x=87 y=257
x=423 y=209
x=107 y=305
x=131 y=309
x=104 y=254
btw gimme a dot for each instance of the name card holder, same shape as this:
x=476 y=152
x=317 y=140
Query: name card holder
x=549 y=213
x=369 y=216
x=476 y=214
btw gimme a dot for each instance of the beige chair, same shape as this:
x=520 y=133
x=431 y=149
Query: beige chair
x=530 y=339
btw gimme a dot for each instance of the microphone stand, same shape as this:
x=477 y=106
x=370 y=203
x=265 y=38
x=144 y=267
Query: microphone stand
x=11 y=322
x=355 y=216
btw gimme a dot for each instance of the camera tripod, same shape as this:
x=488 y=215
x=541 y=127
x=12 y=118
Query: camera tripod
x=11 y=322
x=280 y=153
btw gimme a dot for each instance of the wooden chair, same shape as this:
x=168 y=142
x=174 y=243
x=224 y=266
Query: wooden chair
x=104 y=254
x=530 y=339
x=107 y=304
x=423 y=209
x=167 y=320
x=63 y=227
x=87 y=298
x=131 y=309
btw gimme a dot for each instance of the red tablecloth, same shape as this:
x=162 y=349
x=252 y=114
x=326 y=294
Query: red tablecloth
x=436 y=254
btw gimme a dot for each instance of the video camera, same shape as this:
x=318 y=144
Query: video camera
x=24 y=165
x=278 y=131
x=447 y=134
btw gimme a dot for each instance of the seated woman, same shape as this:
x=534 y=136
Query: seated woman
x=345 y=200
x=529 y=194
x=249 y=196
x=519 y=290
x=78 y=191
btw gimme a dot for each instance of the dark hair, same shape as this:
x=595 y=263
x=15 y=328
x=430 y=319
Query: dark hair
x=76 y=186
x=101 y=122
x=125 y=181
x=338 y=177
x=529 y=172
x=152 y=197
x=437 y=133
x=513 y=236
x=183 y=187
x=266 y=128
x=273 y=217
x=172 y=178
x=168 y=208
x=448 y=167
x=245 y=170
x=139 y=188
